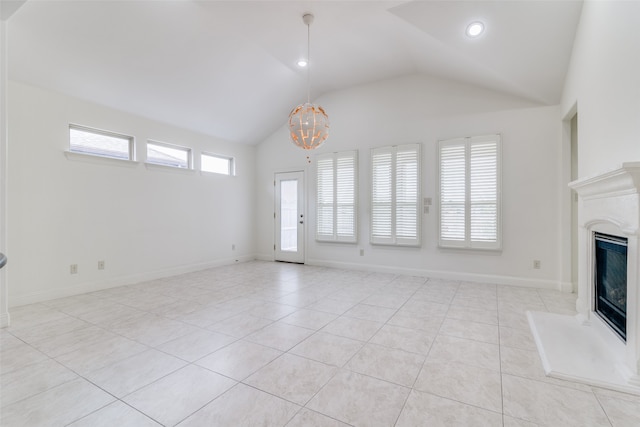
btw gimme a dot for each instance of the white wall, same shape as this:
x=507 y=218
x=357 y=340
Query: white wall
x=421 y=109
x=143 y=222
x=604 y=82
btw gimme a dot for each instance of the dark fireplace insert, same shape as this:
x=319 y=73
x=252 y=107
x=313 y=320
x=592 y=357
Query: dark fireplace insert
x=611 y=281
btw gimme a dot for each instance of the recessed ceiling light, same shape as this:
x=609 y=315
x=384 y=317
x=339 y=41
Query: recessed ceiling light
x=475 y=29
x=302 y=63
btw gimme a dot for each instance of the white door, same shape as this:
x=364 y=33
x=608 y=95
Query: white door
x=289 y=217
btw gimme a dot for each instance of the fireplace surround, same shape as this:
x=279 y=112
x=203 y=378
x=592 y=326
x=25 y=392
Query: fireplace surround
x=610 y=277
x=585 y=347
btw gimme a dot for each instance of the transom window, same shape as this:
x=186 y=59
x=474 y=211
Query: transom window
x=101 y=143
x=216 y=163
x=159 y=153
x=395 y=195
x=337 y=209
x=470 y=193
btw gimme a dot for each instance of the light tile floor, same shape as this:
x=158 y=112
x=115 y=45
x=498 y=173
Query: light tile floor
x=276 y=344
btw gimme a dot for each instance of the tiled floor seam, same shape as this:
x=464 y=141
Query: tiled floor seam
x=501 y=385
x=42 y=391
x=96 y=410
x=377 y=287
x=199 y=409
x=602 y=407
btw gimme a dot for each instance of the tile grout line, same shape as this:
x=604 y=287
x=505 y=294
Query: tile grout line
x=412 y=388
x=357 y=285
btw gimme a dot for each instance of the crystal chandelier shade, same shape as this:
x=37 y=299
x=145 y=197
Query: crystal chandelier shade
x=308 y=123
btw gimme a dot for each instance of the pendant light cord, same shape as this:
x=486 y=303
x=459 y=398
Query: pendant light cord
x=309 y=63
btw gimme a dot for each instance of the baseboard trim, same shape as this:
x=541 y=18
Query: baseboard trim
x=523 y=282
x=566 y=287
x=264 y=257
x=82 y=288
x=132 y=279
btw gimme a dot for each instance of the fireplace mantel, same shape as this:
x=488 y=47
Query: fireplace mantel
x=583 y=348
x=618 y=182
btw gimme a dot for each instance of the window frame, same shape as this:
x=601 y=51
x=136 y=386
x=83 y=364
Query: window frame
x=131 y=142
x=393 y=239
x=187 y=150
x=468 y=243
x=230 y=159
x=335 y=204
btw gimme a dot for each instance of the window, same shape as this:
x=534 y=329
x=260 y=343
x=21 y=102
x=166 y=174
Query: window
x=217 y=164
x=395 y=195
x=95 y=142
x=337 y=210
x=470 y=192
x=159 y=153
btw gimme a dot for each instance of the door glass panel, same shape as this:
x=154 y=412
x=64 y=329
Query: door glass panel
x=289 y=215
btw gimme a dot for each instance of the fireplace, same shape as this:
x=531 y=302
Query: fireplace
x=601 y=344
x=610 y=276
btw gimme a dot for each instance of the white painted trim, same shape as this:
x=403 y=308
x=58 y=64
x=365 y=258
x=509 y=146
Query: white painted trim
x=523 y=282
x=82 y=288
x=265 y=257
x=622 y=181
x=99 y=160
x=168 y=169
x=567 y=287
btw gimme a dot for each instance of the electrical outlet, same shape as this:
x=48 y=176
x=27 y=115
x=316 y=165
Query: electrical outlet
x=536 y=264
x=73 y=269
x=233 y=247
x=361 y=252
x=100 y=265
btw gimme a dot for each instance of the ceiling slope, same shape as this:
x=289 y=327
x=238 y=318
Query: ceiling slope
x=228 y=68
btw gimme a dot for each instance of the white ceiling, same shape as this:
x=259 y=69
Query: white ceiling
x=228 y=68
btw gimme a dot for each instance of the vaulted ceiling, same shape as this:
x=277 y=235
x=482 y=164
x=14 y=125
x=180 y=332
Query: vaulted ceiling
x=229 y=68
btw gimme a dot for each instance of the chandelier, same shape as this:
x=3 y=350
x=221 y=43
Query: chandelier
x=308 y=123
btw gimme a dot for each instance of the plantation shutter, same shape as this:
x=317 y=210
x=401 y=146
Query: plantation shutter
x=346 y=196
x=325 y=191
x=382 y=195
x=483 y=190
x=470 y=192
x=452 y=191
x=337 y=197
x=395 y=195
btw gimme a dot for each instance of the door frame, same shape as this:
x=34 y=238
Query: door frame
x=568 y=221
x=303 y=191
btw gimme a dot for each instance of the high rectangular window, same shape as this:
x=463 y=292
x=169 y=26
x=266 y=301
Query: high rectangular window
x=337 y=190
x=395 y=195
x=215 y=163
x=159 y=153
x=101 y=143
x=470 y=193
